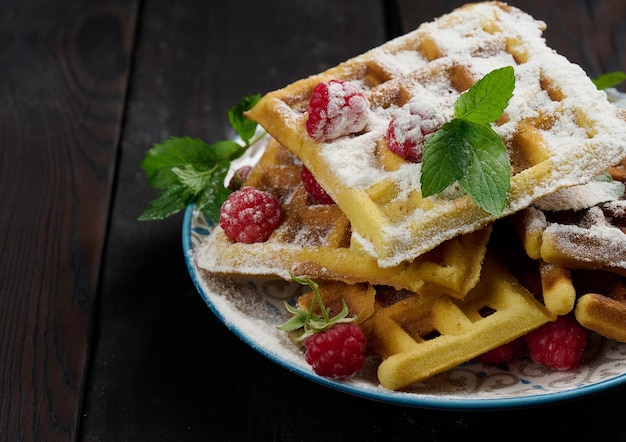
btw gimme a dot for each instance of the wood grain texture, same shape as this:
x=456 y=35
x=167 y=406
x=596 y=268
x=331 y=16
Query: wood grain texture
x=64 y=73
x=103 y=336
x=164 y=368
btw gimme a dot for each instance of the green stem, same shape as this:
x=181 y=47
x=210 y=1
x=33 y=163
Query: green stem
x=255 y=138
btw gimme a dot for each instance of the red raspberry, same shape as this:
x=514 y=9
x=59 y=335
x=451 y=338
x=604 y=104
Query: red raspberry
x=504 y=353
x=250 y=215
x=559 y=344
x=337 y=353
x=239 y=177
x=336 y=108
x=313 y=187
x=410 y=128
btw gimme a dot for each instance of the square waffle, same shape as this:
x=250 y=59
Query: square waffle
x=558 y=128
x=315 y=240
x=419 y=336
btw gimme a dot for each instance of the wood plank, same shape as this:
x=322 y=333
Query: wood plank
x=164 y=367
x=64 y=71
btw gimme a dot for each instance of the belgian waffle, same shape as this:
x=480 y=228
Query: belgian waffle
x=419 y=336
x=558 y=128
x=315 y=240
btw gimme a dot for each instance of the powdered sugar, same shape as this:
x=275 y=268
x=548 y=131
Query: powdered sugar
x=602 y=246
x=411 y=126
x=581 y=196
x=336 y=109
x=579 y=118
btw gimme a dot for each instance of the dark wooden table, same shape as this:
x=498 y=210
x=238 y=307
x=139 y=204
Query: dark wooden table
x=103 y=337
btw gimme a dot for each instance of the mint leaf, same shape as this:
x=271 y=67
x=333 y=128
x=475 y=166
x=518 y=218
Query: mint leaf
x=445 y=160
x=222 y=150
x=244 y=127
x=214 y=193
x=485 y=101
x=180 y=152
x=488 y=176
x=189 y=170
x=169 y=202
x=192 y=171
x=609 y=79
x=193 y=179
x=468 y=151
x=472 y=154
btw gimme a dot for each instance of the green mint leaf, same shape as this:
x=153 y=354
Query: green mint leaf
x=192 y=171
x=468 y=151
x=222 y=151
x=174 y=152
x=180 y=152
x=194 y=179
x=488 y=176
x=169 y=202
x=610 y=79
x=604 y=178
x=446 y=158
x=244 y=127
x=214 y=193
x=485 y=101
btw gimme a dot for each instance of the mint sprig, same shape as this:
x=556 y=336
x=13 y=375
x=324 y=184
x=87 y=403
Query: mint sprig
x=467 y=150
x=304 y=323
x=189 y=170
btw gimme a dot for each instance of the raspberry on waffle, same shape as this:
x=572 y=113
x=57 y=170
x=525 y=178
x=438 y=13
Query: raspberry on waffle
x=419 y=336
x=315 y=240
x=558 y=128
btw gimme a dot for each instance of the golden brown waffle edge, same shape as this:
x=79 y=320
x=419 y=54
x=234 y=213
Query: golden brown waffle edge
x=314 y=240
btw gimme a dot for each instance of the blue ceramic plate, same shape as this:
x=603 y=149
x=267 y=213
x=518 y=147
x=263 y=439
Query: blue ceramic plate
x=252 y=309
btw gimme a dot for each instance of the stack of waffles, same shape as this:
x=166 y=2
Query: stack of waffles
x=419 y=273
